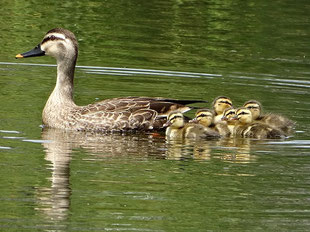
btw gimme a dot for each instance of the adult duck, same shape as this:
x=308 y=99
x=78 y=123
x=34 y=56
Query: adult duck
x=117 y=114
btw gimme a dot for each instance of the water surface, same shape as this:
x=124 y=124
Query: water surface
x=54 y=180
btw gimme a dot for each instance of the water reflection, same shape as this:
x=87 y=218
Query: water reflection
x=227 y=149
x=59 y=146
x=55 y=200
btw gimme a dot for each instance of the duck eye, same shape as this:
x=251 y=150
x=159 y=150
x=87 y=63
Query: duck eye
x=202 y=115
x=226 y=102
x=242 y=113
x=231 y=112
x=52 y=37
x=175 y=117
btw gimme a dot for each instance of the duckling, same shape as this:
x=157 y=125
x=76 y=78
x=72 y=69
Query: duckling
x=177 y=129
x=116 y=114
x=229 y=117
x=277 y=121
x=247 y=128
x=219 y=105
x=204 y=117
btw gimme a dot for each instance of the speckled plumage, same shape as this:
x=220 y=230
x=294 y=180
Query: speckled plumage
x=117 y=114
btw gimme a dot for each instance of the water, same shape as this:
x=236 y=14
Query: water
x=53 y=180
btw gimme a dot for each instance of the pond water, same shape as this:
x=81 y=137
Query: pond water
x=54 y=180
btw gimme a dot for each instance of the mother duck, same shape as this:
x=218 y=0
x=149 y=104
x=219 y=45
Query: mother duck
x=117 y=114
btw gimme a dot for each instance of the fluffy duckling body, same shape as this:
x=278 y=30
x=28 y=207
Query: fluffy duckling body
x=177 y=129
x=274 y=120
x=219 y=105
x=247 y=128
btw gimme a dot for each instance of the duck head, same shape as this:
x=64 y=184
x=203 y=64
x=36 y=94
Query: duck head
x=220 y=104
x=244 y=115
x=204 y=117
x=175 y=120
x=229 y=114
x=58 y=43
x=255 y=107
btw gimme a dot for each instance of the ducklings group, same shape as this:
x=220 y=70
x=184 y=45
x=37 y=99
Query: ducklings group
x=178 y=129
x=226 y=121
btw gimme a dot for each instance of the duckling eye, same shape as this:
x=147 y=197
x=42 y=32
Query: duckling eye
x=174 y=118
x=226 y=102
x=203 y=115
x=229 y=113
x=252 y=107
x=242 y=113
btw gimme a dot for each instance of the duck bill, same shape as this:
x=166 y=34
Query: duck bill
x=32 y=53
x=194 y=120
x=235 y=118
x=167 y=124
x=224 y=119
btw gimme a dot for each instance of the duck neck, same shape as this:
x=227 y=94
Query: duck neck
x=63 y=91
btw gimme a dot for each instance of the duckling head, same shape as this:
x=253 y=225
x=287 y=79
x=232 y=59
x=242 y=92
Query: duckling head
x=229 y=114
x=175 y=120
x=58 y=43
x=244 y=115
x=204 y=117
x=255 y=107
x=220 y=104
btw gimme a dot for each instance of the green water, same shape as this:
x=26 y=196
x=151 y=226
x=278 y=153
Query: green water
x=54 y=180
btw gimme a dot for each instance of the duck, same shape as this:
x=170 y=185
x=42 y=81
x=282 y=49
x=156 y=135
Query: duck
x=116 y=114
x=219 y=104
x=246 y=127
x=275 y=120
x=178 y=129
x=228 y=127
x=205 y=117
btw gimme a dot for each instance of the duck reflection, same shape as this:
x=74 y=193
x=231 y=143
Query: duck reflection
x=228 y=149
x=236 y=150
x=188 y=149
x=54 y=201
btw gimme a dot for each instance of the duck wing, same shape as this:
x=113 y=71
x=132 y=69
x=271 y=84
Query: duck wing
x=121 y=120
x=128 y=113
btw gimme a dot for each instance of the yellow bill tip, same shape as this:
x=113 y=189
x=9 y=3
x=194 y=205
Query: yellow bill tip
x=19 y=56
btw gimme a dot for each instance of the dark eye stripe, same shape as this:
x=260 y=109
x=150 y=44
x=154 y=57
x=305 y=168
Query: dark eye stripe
x=51 y=37
x=175 y=117
x=252 y=107
x=243 y=113
x=229 y=113
x=203 y=115
x=226 y=102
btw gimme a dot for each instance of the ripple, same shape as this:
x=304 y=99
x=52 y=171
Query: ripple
x=9 y=132
x=125 y=71
x=37 y=141
x=5 y=148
